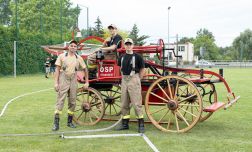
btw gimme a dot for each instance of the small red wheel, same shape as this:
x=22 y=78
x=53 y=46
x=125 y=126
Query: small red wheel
x=161 y=46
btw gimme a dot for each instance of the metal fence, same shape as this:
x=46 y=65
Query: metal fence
x=231 y=63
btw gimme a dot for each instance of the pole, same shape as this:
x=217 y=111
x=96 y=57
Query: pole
x=77 y=19
x=15 y=42
x=14 y=57
x=87 y=22
x=61 y=21
x=241 y=53
x=168 y=56
x=87 y=18
x=177 y=51
x=41 y=28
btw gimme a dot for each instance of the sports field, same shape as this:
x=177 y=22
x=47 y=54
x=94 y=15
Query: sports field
x=226 y=130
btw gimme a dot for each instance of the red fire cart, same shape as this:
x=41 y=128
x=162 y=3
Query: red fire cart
x=175 y=99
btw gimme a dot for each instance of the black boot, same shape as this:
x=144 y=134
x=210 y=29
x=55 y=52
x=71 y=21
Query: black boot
x=69 y=122
x=56 y=123
x=124 y=125
x=141 y=125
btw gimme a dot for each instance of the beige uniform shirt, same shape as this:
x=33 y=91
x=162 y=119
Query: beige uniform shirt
x=70 y=63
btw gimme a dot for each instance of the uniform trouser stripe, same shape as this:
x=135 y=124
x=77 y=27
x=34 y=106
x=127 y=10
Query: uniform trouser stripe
x=58 y=112
x=126 y=117
x=70 y=112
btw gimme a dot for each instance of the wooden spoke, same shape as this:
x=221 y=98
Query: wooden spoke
x=163 y=116
x=80 y=115
x=197 y=108
x=181 y=104
x=117 y=105
x=164 y=92
x=93 y=113
x=176 y=119
x=158 y=110
x=169 y=87
x=77 y=110
x=158 y=97
x=114 y=108
x=106 y=106
x=176 y=91
x=183 y=118
x=187 y=98
x=90 y=118
x=183 y=91
x=116 y=91
x=186 y=109
x=95 y=104
x=188 y=112
x=192 y=112
x=85 y=116
x=169 y=124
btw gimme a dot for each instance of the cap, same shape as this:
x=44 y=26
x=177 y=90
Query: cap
x=112 y=26
x=73 y=41
x=128 y=40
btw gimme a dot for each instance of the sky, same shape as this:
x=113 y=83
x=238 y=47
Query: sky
x=226 y=19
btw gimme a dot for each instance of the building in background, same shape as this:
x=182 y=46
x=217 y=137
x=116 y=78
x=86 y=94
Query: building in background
x=186 y=50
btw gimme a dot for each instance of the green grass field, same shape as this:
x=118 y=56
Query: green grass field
x=226 y=130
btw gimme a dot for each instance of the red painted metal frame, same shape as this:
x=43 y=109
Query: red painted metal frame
x=145 y=49
x=193 y=71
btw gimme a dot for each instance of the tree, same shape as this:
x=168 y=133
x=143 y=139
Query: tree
x=243 y=45
x=205 y=32
x=98 y=29
x=138 y=40
x=186 y=39
x=205 y=40
x=34 y=15
x=227 y=53
x=5 y=12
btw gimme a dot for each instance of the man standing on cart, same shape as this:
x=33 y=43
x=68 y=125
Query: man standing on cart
x=108 y=48
x=132 y=69
x=67 y=65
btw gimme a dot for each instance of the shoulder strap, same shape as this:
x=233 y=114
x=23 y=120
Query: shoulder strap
x=122 y=62
x=133 y=62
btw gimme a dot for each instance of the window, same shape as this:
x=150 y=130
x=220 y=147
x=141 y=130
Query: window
x=181 y=48
x=170 y=56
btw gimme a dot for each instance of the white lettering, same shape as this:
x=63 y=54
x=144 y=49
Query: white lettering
x=101 y=69
x=107 y=69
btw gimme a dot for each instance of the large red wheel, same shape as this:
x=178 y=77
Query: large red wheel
x=173 y=104
x=89 y=107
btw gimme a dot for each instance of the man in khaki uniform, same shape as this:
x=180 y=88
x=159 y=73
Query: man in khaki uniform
x=67 y=65
x=132 y=69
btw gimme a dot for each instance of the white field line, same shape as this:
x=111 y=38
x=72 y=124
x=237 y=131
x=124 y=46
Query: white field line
x=6 y=105
x=152 y=146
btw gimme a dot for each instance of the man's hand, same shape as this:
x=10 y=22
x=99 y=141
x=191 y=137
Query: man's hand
x=56 y=87
x=85 y=86
x=108 y=39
